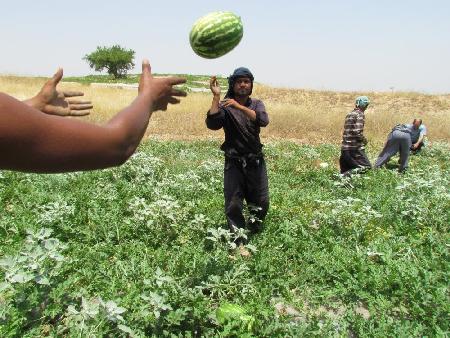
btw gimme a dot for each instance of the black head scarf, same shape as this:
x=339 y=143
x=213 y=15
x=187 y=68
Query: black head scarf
x=239 y=72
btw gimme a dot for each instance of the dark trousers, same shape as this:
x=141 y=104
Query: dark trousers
x=352 y=159
x=246 y=180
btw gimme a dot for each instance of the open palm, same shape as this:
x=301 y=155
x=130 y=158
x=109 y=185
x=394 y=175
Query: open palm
x=51 y=101
x=214 y=85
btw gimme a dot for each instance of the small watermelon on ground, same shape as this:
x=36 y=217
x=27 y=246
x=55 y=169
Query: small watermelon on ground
x=215 y=34
x=227 y=312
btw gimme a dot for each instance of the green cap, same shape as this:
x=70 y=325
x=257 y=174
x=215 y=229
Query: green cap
x=362 y=101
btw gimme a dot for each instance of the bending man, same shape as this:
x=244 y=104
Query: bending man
x=402 y=138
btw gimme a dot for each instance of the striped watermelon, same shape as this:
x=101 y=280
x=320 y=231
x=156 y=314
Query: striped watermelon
x=215 y=34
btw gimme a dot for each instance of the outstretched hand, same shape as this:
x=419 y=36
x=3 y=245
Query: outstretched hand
x=51 y=101
x=159 y=89
x=214 y=85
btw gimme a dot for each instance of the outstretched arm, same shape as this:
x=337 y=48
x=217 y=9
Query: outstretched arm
x=36 y=142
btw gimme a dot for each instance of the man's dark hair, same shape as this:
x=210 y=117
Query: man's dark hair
x=420 y=120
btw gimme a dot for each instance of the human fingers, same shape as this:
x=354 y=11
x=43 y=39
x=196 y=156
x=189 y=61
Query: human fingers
x=145 y=75
x=146 y=68
x=71 y=101
x=175 y=80
x=177 y=92
x=81 y=106
x=163 y=103
x=57 y=76
x=72 y=93
x=229 y=102
x=173 y=100
x=79 y=112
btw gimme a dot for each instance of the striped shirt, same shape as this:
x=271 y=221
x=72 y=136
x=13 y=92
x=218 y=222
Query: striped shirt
x=353 y=137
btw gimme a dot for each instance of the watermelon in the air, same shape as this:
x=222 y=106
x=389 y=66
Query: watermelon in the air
x=215 y=34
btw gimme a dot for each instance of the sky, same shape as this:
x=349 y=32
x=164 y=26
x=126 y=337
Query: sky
x=345 y=45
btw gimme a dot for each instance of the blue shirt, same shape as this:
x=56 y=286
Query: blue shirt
x=413 y=132
x=416 y=133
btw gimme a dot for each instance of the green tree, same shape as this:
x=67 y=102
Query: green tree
x=116 y=60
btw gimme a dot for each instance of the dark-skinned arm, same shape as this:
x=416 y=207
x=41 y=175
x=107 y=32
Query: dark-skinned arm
x=32 y=141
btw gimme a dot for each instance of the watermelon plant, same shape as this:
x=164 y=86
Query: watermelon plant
x=143 y=250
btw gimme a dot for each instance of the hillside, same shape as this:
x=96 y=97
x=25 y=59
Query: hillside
x=305 y=116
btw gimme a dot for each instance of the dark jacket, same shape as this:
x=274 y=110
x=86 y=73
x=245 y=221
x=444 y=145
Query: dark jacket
x=241 y=133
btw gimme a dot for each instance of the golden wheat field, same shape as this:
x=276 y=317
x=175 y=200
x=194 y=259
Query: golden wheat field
x=305 y=116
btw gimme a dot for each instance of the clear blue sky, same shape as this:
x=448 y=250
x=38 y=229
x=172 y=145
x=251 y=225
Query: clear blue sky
x=339 y=45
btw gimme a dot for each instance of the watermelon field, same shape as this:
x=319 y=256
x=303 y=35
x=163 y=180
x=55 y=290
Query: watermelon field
x=143 y=249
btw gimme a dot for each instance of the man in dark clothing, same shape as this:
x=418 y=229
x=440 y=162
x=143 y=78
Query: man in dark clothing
x=352 y=149
x=245 y=174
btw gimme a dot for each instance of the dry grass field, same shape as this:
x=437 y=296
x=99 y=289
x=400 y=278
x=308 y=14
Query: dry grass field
x=306 y=116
